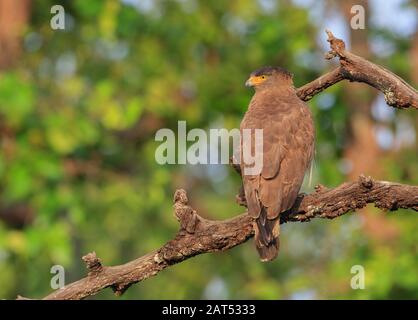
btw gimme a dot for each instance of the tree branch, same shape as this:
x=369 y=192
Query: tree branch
x=198 y=235
x=309 y=90
x=396 y=91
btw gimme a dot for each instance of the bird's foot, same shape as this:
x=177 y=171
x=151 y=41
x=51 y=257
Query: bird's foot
x=240 y=198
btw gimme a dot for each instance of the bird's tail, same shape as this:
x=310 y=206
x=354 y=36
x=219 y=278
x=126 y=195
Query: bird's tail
x=267 y=236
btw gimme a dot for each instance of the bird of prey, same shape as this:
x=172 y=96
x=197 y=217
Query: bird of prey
x=287 y=151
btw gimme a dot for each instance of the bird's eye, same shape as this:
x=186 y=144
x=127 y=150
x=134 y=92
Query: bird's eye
x=263 y=77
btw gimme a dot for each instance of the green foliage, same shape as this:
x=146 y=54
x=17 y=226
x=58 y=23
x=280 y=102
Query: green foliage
x=80 y=114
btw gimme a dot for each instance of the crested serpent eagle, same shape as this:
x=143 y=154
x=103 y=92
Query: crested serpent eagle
x=287 y=151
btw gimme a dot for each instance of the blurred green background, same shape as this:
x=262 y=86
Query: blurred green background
x=79 y=109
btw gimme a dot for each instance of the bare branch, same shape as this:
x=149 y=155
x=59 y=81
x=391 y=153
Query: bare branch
x=309 y=90
x=93 y=263
x=198 y=235
x=396 y=91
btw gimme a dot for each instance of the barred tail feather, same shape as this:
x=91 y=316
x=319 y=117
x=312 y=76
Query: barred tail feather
x=267 y=236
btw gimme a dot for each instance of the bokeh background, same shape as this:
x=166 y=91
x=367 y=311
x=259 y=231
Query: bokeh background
x=79 y=109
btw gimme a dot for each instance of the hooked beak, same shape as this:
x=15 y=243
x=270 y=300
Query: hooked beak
x=254 y=81
x=249 y=82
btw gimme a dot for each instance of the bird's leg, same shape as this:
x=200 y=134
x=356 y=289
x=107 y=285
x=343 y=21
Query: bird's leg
x=289 y=214
x=240 y=197
x=235 y=165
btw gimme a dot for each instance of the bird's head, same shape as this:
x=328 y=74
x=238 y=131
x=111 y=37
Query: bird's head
x=269 y=76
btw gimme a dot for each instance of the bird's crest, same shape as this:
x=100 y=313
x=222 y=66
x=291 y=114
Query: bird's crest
x=268 y=70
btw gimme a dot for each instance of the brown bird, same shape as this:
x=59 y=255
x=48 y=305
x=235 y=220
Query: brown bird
x=287 y=151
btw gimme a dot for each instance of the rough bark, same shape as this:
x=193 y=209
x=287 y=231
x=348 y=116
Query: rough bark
x=397 y=92
x=198 y=235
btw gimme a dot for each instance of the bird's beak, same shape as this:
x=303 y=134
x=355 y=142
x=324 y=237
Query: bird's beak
x=254 y=81
x=249 y=82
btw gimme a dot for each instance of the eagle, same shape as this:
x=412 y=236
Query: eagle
x=288 y=136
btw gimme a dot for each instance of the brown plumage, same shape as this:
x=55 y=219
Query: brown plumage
x=288 y=148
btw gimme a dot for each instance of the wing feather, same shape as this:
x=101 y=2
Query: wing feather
x=288 y=139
